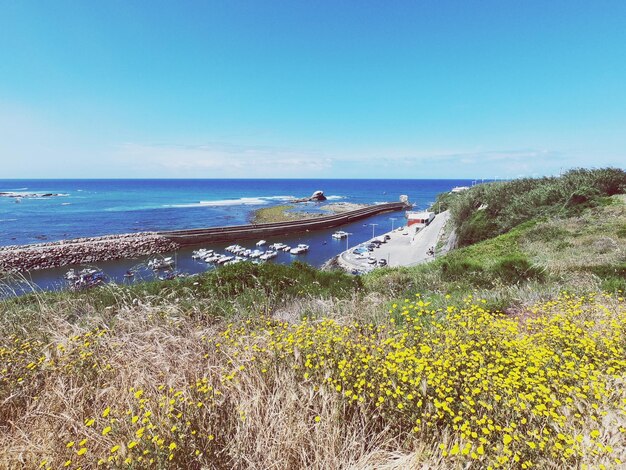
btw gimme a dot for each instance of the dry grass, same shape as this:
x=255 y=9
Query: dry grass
x=258 y=422
x=580 y=243
x=133 y=360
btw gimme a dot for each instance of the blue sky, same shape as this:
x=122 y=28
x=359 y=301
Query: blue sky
x=415 y=89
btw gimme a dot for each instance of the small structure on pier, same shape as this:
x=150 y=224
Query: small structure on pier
x=419 y=219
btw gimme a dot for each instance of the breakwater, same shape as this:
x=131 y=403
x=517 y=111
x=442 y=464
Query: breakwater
x=251 y=231
x=22 y=258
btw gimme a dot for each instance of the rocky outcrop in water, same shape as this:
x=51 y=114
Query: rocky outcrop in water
x=22 y=258
x=317 y=196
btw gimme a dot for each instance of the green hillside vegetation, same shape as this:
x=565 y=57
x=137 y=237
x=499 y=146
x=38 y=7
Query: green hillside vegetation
x=491 y=209
x=509 y=352
x=535 y=260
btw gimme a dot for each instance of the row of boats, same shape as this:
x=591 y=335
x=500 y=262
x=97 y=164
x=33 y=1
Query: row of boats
x=239 y=253
x=91 y=277
x=85 y=278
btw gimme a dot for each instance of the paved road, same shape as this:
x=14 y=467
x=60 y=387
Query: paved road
x=401 y=249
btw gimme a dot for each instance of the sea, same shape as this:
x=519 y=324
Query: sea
x=94 y=207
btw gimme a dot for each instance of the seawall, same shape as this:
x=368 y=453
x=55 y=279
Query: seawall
x=242 y=232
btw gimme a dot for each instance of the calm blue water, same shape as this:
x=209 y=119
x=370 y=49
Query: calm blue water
x=101 y=207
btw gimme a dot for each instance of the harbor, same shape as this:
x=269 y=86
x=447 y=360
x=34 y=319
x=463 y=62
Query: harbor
x=97 y=249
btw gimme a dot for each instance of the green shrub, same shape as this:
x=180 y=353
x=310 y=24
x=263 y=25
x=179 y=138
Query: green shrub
x=516 y=268
x=297 y=279
x=488 y=210
x=479 y=226
x=456 y=270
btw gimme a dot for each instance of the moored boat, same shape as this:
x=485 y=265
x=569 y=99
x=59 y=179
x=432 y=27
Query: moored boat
x=161 y=263
x=300 y=249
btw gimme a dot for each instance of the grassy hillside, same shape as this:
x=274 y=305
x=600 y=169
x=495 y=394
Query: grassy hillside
x=479 y=359
x=532 y=262
x=491 y=209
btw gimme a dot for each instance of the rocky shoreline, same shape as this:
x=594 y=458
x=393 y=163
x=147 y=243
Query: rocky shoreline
x=22 y=258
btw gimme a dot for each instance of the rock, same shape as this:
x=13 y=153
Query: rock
x=318 y=196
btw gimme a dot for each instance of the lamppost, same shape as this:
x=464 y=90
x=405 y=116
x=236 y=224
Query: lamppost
x=373 y=227
x=393 y=219
x=347 y=238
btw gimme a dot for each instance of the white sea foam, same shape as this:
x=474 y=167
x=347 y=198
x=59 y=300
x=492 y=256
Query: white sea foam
x=8 y=220
x=334 y=198
x=279 y=198
x=39 y=194
x=242 y=201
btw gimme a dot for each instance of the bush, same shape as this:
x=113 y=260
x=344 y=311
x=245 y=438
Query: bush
x=478 y=227
x=516 y=268
x=462 y=270
x=488 y=210
x=297 y=279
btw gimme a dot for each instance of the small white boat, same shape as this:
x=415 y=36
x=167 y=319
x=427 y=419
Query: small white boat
x=261 y=243
x=256 y=254
x=71 y=275
x=300 y=249
x=268 y=255
x=161 y=263
x=201 y=253
x=339 y=235
x=87 y=272
x=171 y=275
x=287 y=248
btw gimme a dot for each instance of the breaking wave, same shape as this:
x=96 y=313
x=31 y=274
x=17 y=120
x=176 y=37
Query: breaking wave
x=242 y=201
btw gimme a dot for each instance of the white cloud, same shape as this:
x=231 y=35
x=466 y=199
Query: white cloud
x=222 y=160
